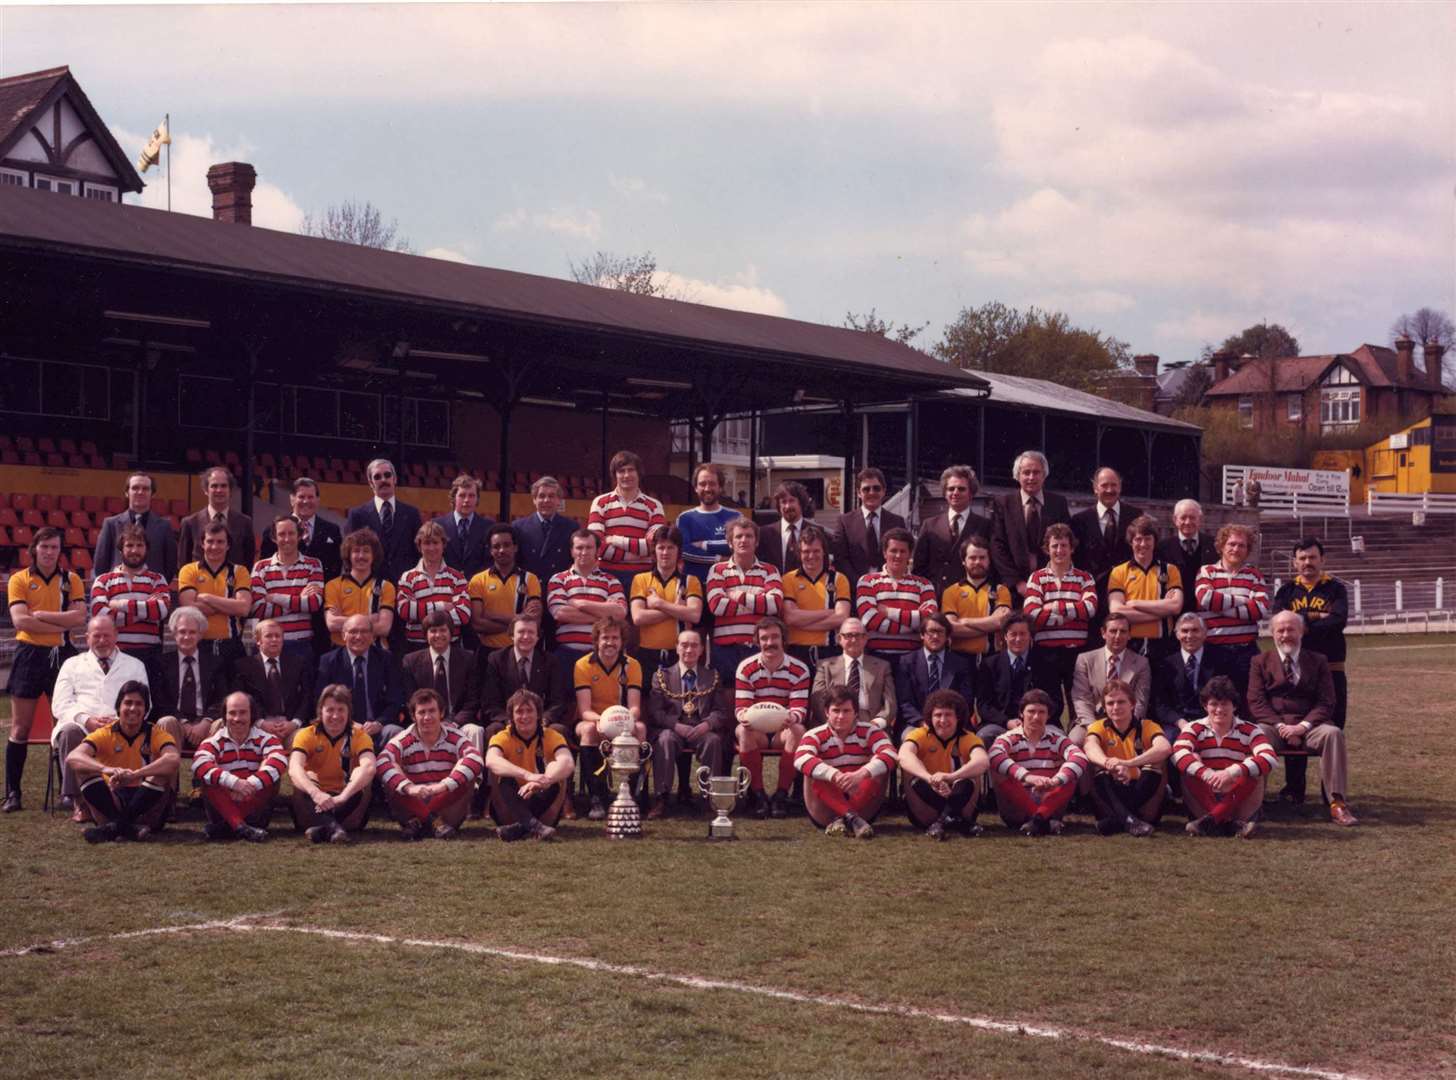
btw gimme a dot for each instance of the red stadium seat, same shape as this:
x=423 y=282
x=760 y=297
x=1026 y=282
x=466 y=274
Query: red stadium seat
x=69 y=503
x=67 y=446
x=211 y=457
x=23 y=549
x=56 y=519
x=91 y=504
x=93 y=534
x=81 y=561
x=9 y=518
x=75 y=538
x=76 y=461
x=21 y=537
x=31 y=458
x=95 y=461
x=54 y=460
x=9 y=457
x=114 y=504
x=24 y=442
x=330 y=476
x=180 y=508
x=231 y=458
x=118 y=461
x=194 y=457
x=6 y=442
x=80 y=519
x=43 y=503
x=45 y=444
x=4 y=537
x=87 y=446
x=34 y=518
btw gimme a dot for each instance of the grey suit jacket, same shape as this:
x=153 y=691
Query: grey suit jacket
x=1090 y=675
x=877 y=686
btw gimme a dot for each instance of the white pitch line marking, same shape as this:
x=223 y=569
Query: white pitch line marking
x=182 y=928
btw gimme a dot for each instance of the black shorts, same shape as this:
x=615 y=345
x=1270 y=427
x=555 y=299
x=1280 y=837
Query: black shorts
x=34 y=669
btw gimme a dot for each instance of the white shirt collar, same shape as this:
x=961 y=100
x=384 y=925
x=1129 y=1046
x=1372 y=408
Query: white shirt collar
x=438 y=655
x=1115 y=508
x=867 y=512
x=1293 y=657
x=1040 y=498
x=379 y=504
x=1186 y=654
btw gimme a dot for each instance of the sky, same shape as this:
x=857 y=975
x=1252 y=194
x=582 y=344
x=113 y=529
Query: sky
x=1167 y=174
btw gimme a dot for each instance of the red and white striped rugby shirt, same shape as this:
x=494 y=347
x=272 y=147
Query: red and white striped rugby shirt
x=570 y=585
x=452 y=758
x=419 y=592
x=278 y=594
x=1233 y=602
x=787 y=685
x=624 y=527
x=891 y=610
x=734 y=617
x=148 y=602
x=1016 y=757
x=1069 y=600
x=255 y=763
x=820 y=752
x=1200 y=751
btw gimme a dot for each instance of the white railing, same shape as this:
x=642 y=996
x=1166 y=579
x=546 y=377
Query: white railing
x=1398 y=502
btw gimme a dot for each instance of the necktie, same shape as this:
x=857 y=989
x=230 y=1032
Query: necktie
x=872 y=534
x=792 y=558
x=935 y=671
x=442 y=679
x=386 y=519
x=1018 y=674
x=1109 y=530
x=105 y=664
x=219 y=519
x=361 y=689
x=1111 y=668
x=1289 y=675
x=1190 y=546
x=305 y=533
x=955 y=527
x=853 y=684
x=275 y=688
x=523 y=665
x=187 y=696
x=1033 y=532
x=690 y=681
x=1190 y=669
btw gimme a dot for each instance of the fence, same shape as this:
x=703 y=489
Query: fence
x=1399 y=502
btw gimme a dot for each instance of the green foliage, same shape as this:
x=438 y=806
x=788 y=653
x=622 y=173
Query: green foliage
x=1226 y=443
x=1035 y=343
x=1262 y=340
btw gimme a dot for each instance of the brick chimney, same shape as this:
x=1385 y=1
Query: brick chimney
x=1223 y=365
x=1432 y=351
x=1405 y=361
x=232 y=184
x=1146 y=365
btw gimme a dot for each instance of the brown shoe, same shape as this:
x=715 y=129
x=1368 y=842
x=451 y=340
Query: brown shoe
x=568 y=809
x=81 y=814
x=658 y=810
x=1340 y=814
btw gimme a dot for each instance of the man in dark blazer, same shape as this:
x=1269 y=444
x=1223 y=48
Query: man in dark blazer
x=217 y=486
x=776 y=538
x=466 y=548
x=1188 y=549
x=545 y=536
x=1015 y=555
x=857 y=547
x=1176 y=695
x=394 y=522
x=161 y=541
x=188 y=716
x=284 y=706
x=501 y=676
x=1101 y=529
x=1004 y=676
x=422 y=670
x=913 y=682
x=938 y=548
x=1292 y=698
x=381 y=706
x=706 y=730
x=318 y=538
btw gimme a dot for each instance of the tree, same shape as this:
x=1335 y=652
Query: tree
x=1262 y=340
x=873 y=324
x=628 y=273
x=1035 y=343
x=357 y=223
x=1425 y=325
x=1194 y=385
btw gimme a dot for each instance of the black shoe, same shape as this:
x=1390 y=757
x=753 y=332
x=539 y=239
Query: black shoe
x=760 y=805
x=252 y=833
x=516 y=830
x=1294 y=796
x=936 y=830
x=1201 y=826
x=778 y=806
x=340 y=835
x=218 y=830
x=1136 y=826
x=412 y=830
x=318 y=834
x=969 y=828
x=1108 y=826
x=102 y=834
x=12 y=803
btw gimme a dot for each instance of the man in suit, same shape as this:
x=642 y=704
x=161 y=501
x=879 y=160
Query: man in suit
x=1292 y=698
x=217 y=485
x=688 y=710
x=280 y=682
x=465 y=530
x=372 y=674
x=938 y=548
x=524 y=665
x=1189 y=549
x=161 y=541
x=1101 y=529
x=446 y=668
x=394 y=522
x=1095 y=666
x=1019 y=522
x=857 y=548
x=1004 y=677
x=933 y=666
x=1179 y=678
x=190 y=684
x=317 y=538
x=778 y=541
x=870 y=678
x=545 y=542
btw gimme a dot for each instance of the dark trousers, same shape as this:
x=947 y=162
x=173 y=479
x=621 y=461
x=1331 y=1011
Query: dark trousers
x=712 y=748
x=961 y=802
x=1296 y=768
x=508 y=808
x=1057 y=666
x=140 y=805
x=1117 y=800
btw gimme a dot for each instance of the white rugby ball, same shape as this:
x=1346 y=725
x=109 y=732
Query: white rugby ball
x=767 y=717
x=615 y=720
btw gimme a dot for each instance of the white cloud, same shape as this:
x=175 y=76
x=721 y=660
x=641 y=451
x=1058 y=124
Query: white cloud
x=1085 y=302
x=192 y=156
x=569 y=221
x=448 y=254
x=741 y=292
x=634 y=187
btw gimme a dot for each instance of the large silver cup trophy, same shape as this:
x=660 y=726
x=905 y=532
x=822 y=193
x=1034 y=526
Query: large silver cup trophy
x=623 y=757
x=723 y=794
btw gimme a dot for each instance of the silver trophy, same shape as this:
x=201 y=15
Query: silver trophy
x=723 y=794
x=624 y=819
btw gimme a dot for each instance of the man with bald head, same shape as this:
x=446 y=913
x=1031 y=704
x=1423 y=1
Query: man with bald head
x=84 y=699
x=373 y=675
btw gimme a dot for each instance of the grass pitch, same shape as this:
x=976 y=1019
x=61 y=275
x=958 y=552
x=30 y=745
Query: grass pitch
x=1312 y=946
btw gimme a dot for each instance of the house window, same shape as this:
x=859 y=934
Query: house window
x=1294 y=407
x=101 y=192
x=1339 y=399
x=51 y=183
x=13 y=178
x=1246 y=412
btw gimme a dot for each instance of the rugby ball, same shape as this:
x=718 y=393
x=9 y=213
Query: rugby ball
x=767 y=717
x=615 y=720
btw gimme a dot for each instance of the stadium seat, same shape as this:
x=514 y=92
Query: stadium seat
x=8 y=517
x=194 y=457
x=95 y=461
x=114 y=504
x=57 y=519
x=24 y=442
x=180 y=508
x=67 y=446
x=4 y=537
x=87 y=446
x=43 y=503
x=119 y=461
x=75 y=538
x=91 y=504
x=6 y=442
x=69 y=503
x=80 y=519
x=231 y=458
x=45 y=444
x=81 y=561
x=76 y=461
x=34 y=518
x=211 y=457
x=9 y=457
x=31 y=458
x=93 y=534
x=21 y=536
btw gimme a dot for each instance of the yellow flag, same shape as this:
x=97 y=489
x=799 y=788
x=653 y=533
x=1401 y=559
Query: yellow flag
x=152 y=153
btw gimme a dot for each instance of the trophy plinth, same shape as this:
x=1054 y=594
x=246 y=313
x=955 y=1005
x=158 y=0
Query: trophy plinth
x=723 y=793
x=624 y=818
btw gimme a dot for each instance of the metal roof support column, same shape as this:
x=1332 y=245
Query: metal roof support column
x=1148 y=455
x=752 y=462
x=851 y=438
x=251 y=390
x=912 y=454
x=505 y=406
x=399 y=396
x=609 y=482
x=981 y=441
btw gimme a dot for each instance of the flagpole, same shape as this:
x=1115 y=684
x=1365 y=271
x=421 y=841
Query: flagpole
x=167 y=119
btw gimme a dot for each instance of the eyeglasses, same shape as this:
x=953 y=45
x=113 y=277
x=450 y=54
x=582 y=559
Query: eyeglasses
x=382 y=476
x=843 y=634
x=871 y=487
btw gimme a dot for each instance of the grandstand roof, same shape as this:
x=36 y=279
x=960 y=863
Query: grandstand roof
x=1021 y=390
